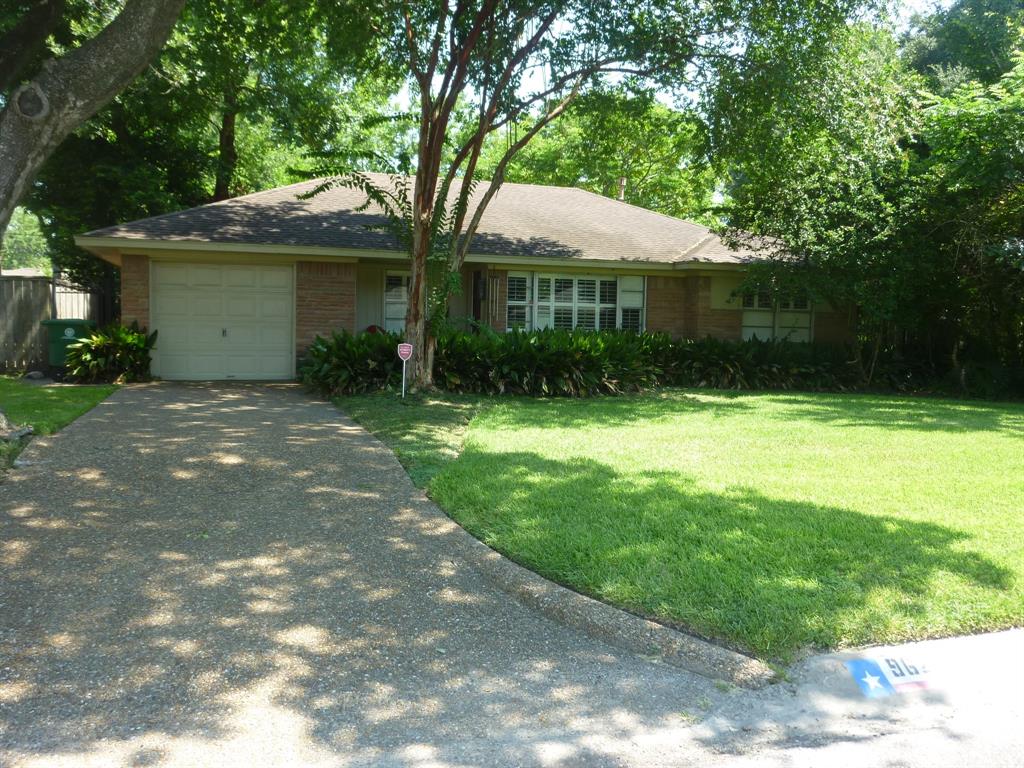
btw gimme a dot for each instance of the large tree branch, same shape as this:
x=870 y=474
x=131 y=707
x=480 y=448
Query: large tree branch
x=26 y=38
x=499 y=173
x=69 y=90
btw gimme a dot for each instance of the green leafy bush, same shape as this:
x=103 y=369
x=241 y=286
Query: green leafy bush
x=578 y=363
x=345 y=364
x=759 y=364
x=117 y=353
x=547 y=362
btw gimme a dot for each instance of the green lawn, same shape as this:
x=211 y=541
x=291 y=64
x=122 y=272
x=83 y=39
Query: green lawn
x=772 y=522
x=46 y=408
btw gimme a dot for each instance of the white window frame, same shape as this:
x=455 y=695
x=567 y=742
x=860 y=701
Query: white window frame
x=627 y=299
x=528 y=322
x=764 y=318
x=632 y=296
x=407 y=276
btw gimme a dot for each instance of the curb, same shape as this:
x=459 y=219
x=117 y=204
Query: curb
x=612 y=625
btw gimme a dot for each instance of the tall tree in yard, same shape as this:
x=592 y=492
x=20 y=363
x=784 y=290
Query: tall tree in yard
x=47 y=91
x=504 y=62
x=241 y=92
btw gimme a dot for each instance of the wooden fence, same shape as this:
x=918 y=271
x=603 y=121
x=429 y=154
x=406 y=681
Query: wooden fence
x=24 y=303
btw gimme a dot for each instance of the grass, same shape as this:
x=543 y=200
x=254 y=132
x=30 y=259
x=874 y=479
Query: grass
x=425 y=432
x=46 y=408
x=771 y=522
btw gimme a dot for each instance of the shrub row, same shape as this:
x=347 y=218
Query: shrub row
x=578 y=363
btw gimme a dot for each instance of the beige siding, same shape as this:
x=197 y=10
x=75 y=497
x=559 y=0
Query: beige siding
x=722 y=289
x=369 y=296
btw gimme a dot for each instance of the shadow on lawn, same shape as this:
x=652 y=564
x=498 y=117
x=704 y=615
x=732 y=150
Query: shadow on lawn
x=616 y=411
x=766 y=574
x=892 y=412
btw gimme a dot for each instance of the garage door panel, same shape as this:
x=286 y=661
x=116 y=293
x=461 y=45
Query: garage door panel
x=169 y=361
x=170 y=275
x=205 y=366
x=273 y=336
x=206 y=276
x=194 y=304
x=170 y=304
x=207 y=305
x=276 y=308
x=276 y=279
x=241 y=307
x=205 y=335
x=173 y=339
x=241 y=277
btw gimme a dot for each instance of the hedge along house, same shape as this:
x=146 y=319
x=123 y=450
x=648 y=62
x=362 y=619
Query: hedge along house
x=239 y=289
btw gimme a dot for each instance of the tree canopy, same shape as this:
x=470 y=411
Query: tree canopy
x=472 y=68
x=612 y=140
x=871 y=192
x=60 y=62
x=236 y=102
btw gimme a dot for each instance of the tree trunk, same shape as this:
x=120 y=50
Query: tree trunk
x=417 y=331
x=227 y=159
x=67 y=91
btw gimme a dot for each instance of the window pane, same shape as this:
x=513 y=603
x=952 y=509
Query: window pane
x=396 y=287
x=607 y=318
x=517 y=291
x=800 y=301
x=585 y=318
x=609 y=289
x=543 y=316
x=748 y=301
x=516 y=316
x=764 y=300
x=631 y=320
x=586 y=291
x=543 y=289
x=563 y=318
x=563 y=290
x=631 y=291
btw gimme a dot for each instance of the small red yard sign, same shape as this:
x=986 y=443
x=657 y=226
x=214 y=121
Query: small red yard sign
x=404 y=353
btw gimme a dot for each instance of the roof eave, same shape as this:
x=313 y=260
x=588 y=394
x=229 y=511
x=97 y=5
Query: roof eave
x=110 y=249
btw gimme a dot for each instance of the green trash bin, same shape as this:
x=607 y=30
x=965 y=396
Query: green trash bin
x=61 y=333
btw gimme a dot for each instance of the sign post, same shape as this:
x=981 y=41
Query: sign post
x=404 y=353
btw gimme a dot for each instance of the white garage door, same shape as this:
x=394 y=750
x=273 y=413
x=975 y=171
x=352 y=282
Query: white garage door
x=222 y=321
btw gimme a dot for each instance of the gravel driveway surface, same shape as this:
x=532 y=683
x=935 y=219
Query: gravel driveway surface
x=238 y=575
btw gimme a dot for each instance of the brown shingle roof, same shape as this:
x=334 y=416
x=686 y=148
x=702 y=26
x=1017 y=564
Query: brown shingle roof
x=521 y=220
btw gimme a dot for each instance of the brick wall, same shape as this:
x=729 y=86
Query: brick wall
x=325 y=300
x=665 y=305
x=700 y=320
x=135 y=290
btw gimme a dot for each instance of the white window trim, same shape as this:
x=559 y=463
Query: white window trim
x=533 y=303
x=529 y=304
x=384 y=293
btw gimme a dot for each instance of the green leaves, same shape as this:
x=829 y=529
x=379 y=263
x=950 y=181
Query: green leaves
x=117 y=353
x=344 y=363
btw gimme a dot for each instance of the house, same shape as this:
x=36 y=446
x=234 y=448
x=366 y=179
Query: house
x=240 y=288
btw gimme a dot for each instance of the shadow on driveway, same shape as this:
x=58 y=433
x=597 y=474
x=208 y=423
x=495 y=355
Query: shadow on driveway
x=235 y=574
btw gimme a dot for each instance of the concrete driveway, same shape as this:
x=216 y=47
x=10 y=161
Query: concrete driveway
x=232 y=575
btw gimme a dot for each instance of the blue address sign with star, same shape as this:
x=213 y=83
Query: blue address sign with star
x=878 y=678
